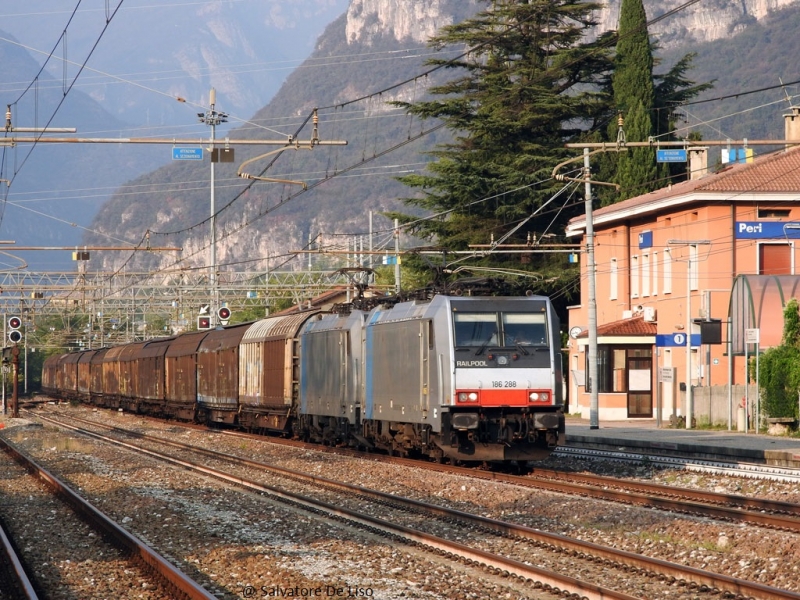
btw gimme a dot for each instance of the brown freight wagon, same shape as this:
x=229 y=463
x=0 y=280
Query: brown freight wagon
x=218 y=374
x=96 y=390
x=129 y=376
x=84 y=375
x=67 y=378
x=150 y=385
x=269 y=372
x=49 y=375
x=180 y=364
x=111 y=377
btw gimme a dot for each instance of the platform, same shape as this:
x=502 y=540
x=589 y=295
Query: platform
x=644 y=436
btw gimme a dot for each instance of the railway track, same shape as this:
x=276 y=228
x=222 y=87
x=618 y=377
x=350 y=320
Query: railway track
x=711 y=467
x=14 y=581
x=730 y=507
x=643 y=576
x=110 y=543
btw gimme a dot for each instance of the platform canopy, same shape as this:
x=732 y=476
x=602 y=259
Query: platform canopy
x=757 y=302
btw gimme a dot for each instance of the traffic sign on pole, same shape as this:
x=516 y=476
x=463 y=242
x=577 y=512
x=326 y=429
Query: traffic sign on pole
x=182 y=153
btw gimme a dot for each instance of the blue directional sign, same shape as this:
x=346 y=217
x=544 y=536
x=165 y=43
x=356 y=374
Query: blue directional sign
x=187 y=154
x=645 y=240
x=678 y=339
x=671 y=156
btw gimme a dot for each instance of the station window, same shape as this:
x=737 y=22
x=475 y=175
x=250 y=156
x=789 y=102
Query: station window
x=613 y=280
x=612 y=367
x=774 y=213
x=655 y=274
x=667 y=271
x=645 y=275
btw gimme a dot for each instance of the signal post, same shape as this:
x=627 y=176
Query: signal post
x=15 y=382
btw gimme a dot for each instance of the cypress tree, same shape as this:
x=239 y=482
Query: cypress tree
x=634 y=97
x=529 y=84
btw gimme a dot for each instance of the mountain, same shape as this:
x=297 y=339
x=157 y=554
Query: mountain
x=150 y=56
x=55 y=189
x=371 y=47
x=376 y=44
x=146 y=58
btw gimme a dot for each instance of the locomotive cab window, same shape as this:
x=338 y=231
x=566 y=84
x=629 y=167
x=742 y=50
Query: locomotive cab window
x=525 y=329
x=518 y=329
x=475 y=329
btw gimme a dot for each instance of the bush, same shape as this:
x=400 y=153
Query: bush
x=779 y=369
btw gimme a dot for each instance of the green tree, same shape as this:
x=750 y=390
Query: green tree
x=634 y=97
x=779 y=368
x=649 y=105
x=528 y=85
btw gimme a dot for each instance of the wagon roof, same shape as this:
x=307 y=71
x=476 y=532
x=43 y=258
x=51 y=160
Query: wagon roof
x=98 y=356
x=186 y=344
x=71 y=359
x=281 y=327
x=87 y=355
x=131 y=351
x=157 y=347
x=223 y=338
x=113 y=353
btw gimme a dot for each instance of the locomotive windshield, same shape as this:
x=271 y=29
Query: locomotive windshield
x=505 y=329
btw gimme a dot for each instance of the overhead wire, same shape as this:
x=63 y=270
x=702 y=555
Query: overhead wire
x=342 y=104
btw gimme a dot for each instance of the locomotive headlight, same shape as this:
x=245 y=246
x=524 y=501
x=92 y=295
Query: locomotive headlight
x=545 y=396
x=534 y=396
x=467 y=396
x=502 y=360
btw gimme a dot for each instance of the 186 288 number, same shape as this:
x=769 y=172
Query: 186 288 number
x=504 y=384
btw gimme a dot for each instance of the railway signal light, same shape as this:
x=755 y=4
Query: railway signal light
x=203 y=322
x=224 y=315
x=14 y=334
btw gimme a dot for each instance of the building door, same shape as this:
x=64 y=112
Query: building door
x=774 y=259
x=640 y=382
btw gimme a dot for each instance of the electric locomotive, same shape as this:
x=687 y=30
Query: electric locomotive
x=470 y=379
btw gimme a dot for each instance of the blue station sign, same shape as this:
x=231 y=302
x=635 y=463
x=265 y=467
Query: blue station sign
x=677 y=155
x=677 y=339
x=191 y=153
x=645 y=240
x=765 y=230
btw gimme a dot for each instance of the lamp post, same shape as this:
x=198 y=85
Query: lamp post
x=689 y=397
x=212 y=117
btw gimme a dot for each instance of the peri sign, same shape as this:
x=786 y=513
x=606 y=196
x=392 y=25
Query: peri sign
x=764 y=230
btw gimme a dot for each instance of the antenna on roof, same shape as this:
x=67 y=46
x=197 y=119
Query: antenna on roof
x=788 y=97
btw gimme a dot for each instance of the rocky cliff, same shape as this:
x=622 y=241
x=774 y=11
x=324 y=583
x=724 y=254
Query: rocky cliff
x=704 y=21
x=377 y=43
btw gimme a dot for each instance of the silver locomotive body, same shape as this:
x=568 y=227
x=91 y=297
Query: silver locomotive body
x=474 y=379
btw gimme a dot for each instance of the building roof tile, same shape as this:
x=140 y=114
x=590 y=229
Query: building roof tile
x=625 y=327
x=778 y=172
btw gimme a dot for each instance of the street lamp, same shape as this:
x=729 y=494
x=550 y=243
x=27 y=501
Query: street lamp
x=212 y=117
x=689 y=397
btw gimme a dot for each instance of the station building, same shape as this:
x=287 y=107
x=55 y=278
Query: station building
x=717 y=254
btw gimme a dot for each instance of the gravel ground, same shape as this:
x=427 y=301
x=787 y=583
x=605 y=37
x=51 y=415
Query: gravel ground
x=67 y=556
x=242 y=545
x=237 y=550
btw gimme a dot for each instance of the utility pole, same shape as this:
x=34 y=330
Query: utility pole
x=396 y=256
x=594 y=402
x=213 y=118
x=594 y=393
